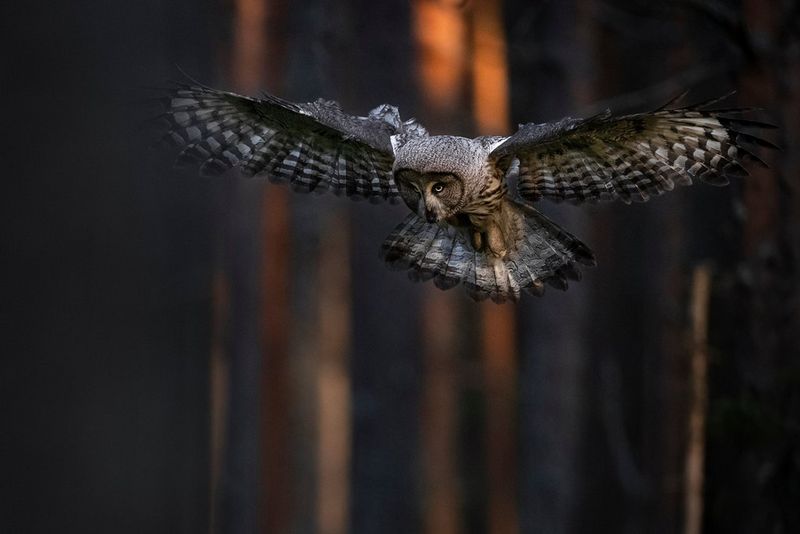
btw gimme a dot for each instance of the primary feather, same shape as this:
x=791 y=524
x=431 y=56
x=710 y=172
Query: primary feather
x=633 y=157
x=314 y=146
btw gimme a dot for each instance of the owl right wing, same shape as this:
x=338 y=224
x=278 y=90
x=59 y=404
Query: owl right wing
x=314 y=146
x=631 y=157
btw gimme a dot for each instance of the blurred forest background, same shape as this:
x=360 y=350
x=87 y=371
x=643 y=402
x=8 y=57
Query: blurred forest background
x=194 y=355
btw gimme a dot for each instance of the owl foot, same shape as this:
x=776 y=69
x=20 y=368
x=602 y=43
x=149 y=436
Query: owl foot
x=477 y=240
x=490 y=241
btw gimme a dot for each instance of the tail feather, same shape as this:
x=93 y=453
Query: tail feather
x=542 y=253
x=456 y=265
x=482 y=284
x=532 y=284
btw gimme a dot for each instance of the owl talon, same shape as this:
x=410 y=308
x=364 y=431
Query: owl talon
x=477 y=241
x=485 y=242
x=495 y=241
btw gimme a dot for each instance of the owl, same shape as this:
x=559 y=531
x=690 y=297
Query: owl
x=465 y=225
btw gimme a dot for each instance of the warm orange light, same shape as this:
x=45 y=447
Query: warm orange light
x=248 y=46
x=491 y=112
x=442 y=63
x=333 y=379
x=490 y=69
x=441 y=35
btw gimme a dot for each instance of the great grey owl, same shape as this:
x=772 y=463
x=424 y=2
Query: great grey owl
x=464 y=225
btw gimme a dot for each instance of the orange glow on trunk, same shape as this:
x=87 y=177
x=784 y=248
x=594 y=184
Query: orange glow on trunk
x=491 y=109
x=441 y=36
x=248 y=47
x=333 y=378
x=490 y=69
x=252 y=46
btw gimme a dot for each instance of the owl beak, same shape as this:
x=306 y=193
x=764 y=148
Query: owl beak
x=425 y=213
x=421 y=211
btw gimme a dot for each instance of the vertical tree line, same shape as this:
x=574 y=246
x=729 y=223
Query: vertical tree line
x=221 y=355
x=443 y=434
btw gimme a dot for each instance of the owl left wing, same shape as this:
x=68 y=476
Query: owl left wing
x=314 y=146
x=631 y=157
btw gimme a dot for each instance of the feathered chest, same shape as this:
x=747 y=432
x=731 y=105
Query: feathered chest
x=486 y=194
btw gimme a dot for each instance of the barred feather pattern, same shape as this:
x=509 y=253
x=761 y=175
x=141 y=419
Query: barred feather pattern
x=313 y=146
x=544 y=253
x=631 y=158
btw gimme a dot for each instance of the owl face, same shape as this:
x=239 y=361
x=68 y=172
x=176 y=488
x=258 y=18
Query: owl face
x=434 y=196
x=438 y=176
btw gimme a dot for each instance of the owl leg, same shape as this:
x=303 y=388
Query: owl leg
x=477 y=240
x=495 y=241
x=489 y=240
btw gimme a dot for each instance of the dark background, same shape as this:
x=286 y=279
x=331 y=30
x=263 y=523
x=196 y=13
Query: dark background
x=182 y=354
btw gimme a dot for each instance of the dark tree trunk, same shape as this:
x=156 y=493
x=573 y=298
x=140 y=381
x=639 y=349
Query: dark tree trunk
x=385 y=361
x=754 y=403
x=553 y=329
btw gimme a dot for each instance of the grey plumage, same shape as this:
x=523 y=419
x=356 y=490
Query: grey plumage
x=545 y=253
x=314 y=146
x=630 y=158
x=465 y=227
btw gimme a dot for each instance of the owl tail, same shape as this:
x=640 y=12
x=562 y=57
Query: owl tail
x=539 y=251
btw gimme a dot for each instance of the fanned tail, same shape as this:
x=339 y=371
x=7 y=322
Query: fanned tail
x=542 y=252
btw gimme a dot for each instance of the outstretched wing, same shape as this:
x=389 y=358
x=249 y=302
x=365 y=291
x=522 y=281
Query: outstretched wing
x=633 y=157
x=315 y=146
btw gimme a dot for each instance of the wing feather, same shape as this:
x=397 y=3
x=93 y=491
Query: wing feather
x=314 y=146
x=632 y=157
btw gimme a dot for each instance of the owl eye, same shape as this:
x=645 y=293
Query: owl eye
x=437 y=188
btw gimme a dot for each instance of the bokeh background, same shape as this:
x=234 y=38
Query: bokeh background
x=190 y=355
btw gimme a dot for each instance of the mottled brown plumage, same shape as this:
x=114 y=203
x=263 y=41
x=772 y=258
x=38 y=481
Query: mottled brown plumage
x=465 y=227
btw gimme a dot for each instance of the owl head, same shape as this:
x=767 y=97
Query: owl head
x=434 y=174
